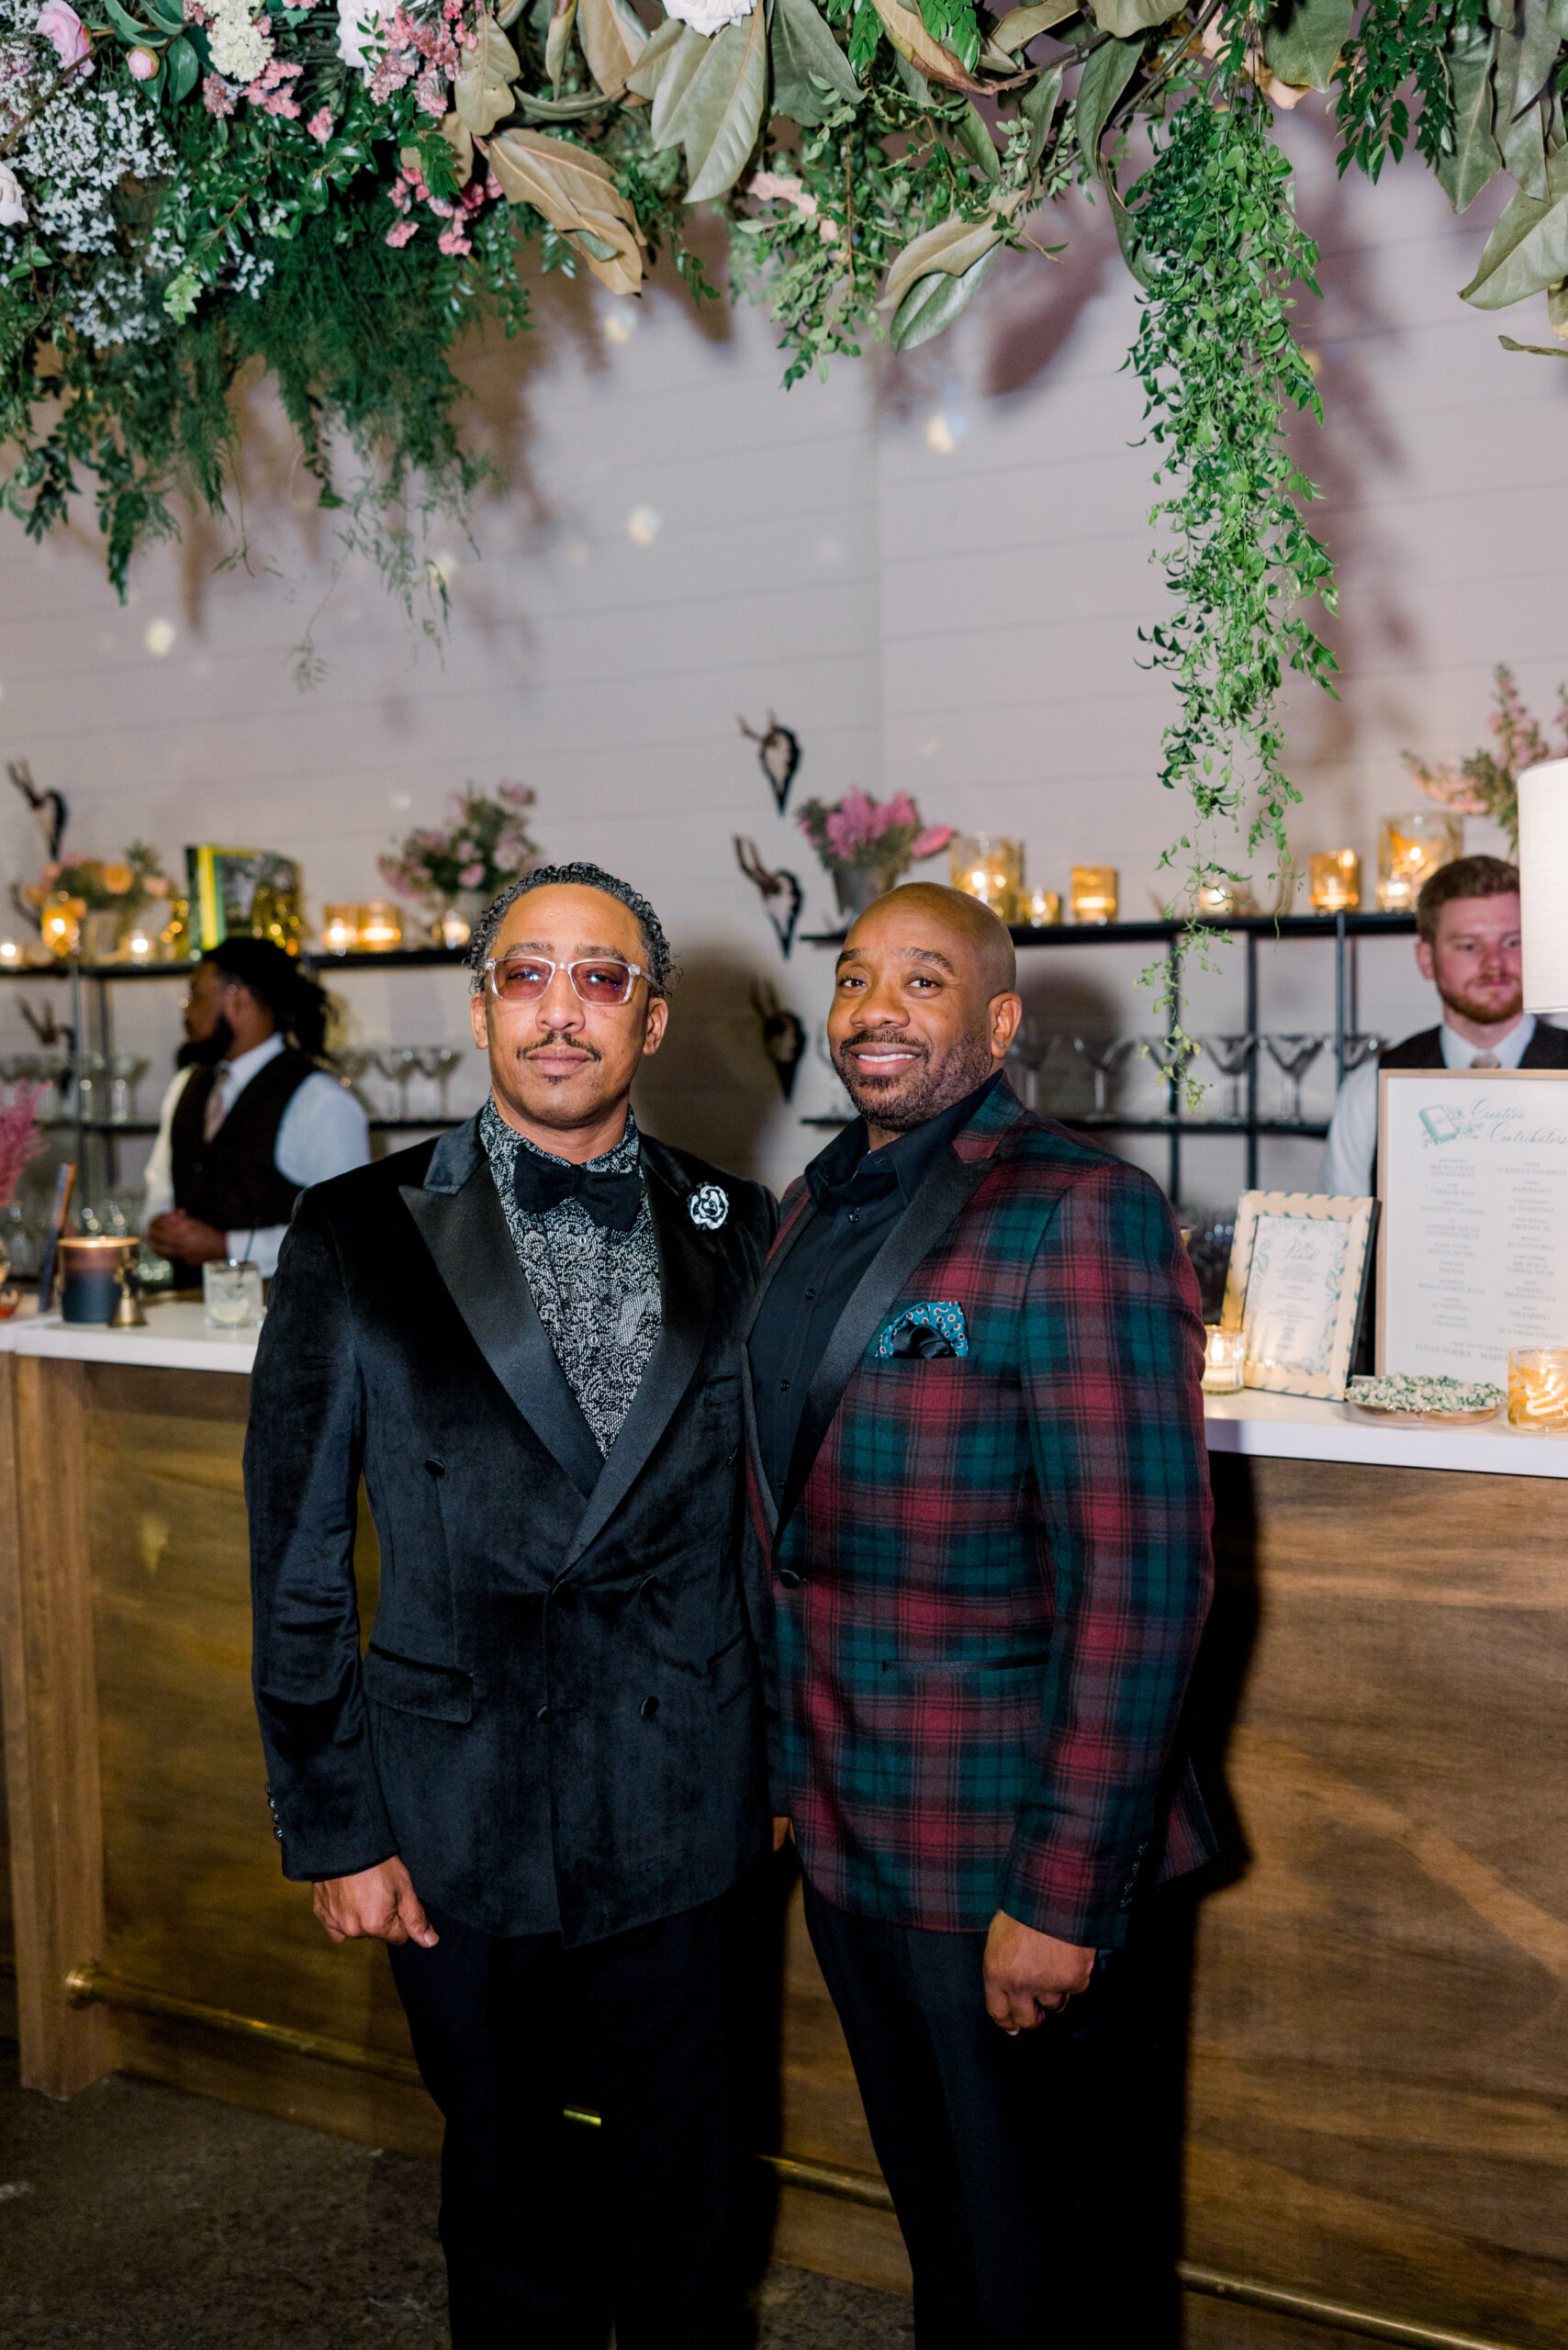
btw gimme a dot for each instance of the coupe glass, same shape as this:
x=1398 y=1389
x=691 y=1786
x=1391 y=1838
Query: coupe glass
x=387 y=1062
x=1104 y=1055
x=1031 y=1049
x=125 y=1073
x=438 y=1064
x=1230 y=1055
x=1292 y=1056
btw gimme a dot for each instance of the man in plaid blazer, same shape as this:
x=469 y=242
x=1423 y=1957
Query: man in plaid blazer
x=980 y=1496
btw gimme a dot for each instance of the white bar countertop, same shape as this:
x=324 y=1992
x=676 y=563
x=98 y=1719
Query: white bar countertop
x=1279 y=1428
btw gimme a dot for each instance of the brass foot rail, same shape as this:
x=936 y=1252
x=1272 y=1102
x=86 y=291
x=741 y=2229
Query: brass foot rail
x=91 y=1983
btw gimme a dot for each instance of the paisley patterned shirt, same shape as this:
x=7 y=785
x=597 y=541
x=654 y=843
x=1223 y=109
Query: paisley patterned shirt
x=596 y=1291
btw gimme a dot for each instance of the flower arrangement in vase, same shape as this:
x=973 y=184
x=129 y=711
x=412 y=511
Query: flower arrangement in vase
x=1487 y=783
x=98 y=895
x=487 y=846
x=866 y=845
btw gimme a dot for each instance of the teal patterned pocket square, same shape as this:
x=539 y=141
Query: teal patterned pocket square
x=930 y=1330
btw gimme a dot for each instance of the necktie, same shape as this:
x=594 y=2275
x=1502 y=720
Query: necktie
x=1485 y=1060
x=217 y=1103
x=612 y=1201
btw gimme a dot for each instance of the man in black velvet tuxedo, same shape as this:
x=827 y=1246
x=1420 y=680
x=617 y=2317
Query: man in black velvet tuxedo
x=545 y=1772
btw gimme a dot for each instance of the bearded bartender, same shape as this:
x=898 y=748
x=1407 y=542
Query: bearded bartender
x=252 y=1118
x=1467 y=944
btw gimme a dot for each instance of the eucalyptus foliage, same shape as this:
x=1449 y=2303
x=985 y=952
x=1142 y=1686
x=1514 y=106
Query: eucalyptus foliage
x=196 y=192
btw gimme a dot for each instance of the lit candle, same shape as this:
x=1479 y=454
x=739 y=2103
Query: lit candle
x=1044 y=909
x=1335 y=886
x=339 y=929
x=451 y=930
x=1538 y=1390
x=379 y=926
x=1409 y=851
x=987 y=869
x=1219 y=899
x=1225 y=1360
x=139 y=946
x=11 y=955
x=1094 y=893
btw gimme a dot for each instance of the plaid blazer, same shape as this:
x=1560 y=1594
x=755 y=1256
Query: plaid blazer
x=982 y=1589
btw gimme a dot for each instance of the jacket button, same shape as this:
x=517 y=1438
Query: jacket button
x=789 y=1579
x=648 y=1709
x=436 y=1467
x=278 y=1833
x=543 y=1714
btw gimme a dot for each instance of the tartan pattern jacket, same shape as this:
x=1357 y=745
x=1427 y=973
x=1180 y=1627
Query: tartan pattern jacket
x=982 y=1591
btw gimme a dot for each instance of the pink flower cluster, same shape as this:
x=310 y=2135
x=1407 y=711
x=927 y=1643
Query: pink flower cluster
x=409 y=188
x=859 y=822
x=271 y=91
x=216 y=95
x=437 y=42
x=19 y=1137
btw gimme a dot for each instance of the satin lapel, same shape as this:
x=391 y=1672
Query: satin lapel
x=947 y=1188
x=688 y=1274
x=466 y=1233
x=789 y=1233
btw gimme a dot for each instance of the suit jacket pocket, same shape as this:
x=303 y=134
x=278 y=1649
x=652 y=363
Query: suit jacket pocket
x=734 y=1669
x=440 y=1692
x=1012 y=1661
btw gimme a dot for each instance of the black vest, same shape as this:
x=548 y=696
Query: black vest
x=1548 y=1049
x=233 y=1182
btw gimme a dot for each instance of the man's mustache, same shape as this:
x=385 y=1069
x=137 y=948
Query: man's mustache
x=852 y=1050
x=556 y=1044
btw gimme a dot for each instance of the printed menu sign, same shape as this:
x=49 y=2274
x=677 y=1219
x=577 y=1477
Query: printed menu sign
x=1472 y=1172
x=1293 y=1294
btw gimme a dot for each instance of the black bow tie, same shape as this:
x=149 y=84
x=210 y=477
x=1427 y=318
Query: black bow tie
x=614 y=1201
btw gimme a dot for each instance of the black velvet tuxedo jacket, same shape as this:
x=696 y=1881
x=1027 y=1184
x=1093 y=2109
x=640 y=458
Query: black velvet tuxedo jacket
x=557 y=1720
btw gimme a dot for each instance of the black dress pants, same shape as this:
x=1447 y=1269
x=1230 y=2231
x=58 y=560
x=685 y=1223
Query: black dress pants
x=538 y=2247
x=1025 y=2172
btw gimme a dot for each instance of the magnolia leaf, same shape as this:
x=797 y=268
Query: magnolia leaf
x=951 y=248
x=1537 y=350
x=183 y=71
x=577 y=195
x=1528 y=247
x=1501 y=12
x=1557 y=307
x=1557 y=17
x=910 y=38
x=650 y=66
x=1126 y=18
x=804 y=54
x=558 y=41
x=613 y=40
x=1474 y=159
x=1039 y=108
x=1017 y=29
x=563 y=109
x=1523 y=64
x=721 y=112
x=508 y=16
x=166 y=15
x=669 y=98
x=1303 y=41
x=483 y=94
x=1129 y=236
x=935 y=301
x=124 y=23
x=1110 y=68
x=455 y=133
x=973 y=136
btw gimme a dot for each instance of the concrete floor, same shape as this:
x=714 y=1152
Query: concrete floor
x=136 y=2218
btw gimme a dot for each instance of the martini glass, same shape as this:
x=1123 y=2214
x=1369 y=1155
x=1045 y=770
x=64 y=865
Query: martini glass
x=125 y=1073
x=1031 y=1049
x=1104 y=1055
x=1292 y=1056
x=1170 y=1059
x=438 y=1064
x=1230 y=1056
x=1357 y=1049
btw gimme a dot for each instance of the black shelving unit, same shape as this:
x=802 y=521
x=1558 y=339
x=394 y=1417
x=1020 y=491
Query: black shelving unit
x=90 y=1008
x=1343 y=931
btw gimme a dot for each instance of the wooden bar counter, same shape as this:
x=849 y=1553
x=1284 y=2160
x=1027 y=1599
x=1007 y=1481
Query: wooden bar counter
x=1376 y=2071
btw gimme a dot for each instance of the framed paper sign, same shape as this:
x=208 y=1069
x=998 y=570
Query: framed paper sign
x=1473 y=1174
x=1297 y=1279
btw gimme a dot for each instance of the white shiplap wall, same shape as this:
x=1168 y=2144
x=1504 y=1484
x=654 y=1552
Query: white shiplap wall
x=960 y=619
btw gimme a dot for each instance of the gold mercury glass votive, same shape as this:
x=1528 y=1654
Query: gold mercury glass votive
x=989 y=869
x=1335 y=884
x=1538 y=1390
x=1225 y=1360
x=380 y=926
x=1094 y=893
x=339 y=929
x=1409 y=851
x=451 y=929
x=1041 y=909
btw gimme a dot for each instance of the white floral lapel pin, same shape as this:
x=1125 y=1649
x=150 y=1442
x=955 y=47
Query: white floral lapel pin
x=709 y=1207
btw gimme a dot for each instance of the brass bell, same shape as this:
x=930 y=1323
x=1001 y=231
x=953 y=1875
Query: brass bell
x=128 y=1314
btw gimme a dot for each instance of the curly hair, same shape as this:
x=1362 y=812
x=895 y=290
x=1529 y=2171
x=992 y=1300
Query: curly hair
x=582 y=876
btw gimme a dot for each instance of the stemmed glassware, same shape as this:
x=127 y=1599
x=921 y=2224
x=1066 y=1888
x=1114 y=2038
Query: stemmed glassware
x=1031 y=1049
x=1104 y=1055
x=1230 y=1055
x=125 y=1073
x=1169 y=1057
x=1292 y=1056
x=1357 y=1049
x=437 y=1063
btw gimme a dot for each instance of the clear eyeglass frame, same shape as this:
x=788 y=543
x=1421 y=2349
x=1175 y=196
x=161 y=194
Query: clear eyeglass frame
x=581 y=963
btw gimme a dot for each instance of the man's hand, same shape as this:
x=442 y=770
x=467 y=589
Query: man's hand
x=378 y=1904
x=186 y=1238
x=1030 y=1975
x=782 y=1829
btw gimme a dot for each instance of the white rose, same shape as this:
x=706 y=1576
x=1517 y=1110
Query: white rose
x=241 y=50
x=710 y=15
x=358 y=24
x=13 y=211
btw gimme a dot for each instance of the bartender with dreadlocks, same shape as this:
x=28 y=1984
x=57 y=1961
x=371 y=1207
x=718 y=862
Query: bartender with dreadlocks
x=252 y=1118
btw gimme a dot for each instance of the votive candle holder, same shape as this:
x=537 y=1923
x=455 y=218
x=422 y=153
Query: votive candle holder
x=1225 y=1360
x=1409 y=851
x=1094 y=888
x=1336 y=881
x=985 y=866
x=1041 y=909
x=380 y=926
x=339 y=929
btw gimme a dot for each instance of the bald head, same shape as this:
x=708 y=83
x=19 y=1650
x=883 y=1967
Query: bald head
x=926 y=1006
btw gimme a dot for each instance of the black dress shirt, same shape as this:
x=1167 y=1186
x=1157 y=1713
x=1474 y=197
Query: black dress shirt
x=858 y=1194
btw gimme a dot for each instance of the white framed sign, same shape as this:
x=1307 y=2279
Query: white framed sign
x=1297 y=1277
x=1472 y=1176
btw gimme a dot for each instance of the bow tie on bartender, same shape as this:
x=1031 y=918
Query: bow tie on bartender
x=612 y=1201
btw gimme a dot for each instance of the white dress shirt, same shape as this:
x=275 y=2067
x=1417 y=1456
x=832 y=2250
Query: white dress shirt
x=323 y=1132
x=1350 y=1153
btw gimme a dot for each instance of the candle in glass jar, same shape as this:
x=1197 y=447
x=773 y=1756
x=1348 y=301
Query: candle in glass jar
x=1409 y=851
x=1538 y=1390
x=1336 y=881
x=1041 y=909
x=339 y=929
x=379 y=926
x=11 y=955
x=1225 y=1360
x=1094 y=893
x=989 y=869
x=451 y=929
x=139 y=945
